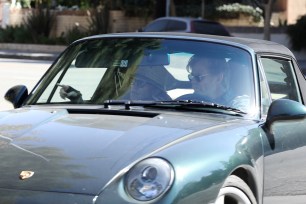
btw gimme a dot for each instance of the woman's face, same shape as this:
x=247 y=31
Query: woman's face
x=204 y=82
x=141 y=90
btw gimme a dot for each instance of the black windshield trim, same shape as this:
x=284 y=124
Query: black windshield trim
x=177 y=105
x=112 y=112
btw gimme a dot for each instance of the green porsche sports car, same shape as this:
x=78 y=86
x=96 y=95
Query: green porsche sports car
x=167 y=118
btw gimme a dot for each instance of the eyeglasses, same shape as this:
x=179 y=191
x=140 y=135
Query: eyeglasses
x=198 y=78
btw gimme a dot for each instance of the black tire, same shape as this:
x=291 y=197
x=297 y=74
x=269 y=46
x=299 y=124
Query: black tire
x=235 y=191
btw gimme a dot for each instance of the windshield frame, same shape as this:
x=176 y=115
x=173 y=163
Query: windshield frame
x=71 y=52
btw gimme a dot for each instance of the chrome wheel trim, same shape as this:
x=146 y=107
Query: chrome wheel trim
x=235 y=193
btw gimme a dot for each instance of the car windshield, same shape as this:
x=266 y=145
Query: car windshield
x=148 y=69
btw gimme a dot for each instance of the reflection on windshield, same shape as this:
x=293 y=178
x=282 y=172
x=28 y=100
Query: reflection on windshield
x=147 y=69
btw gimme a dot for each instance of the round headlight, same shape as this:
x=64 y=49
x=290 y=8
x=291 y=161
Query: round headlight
x=149 y=179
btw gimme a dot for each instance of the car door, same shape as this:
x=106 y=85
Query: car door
x=285 y=150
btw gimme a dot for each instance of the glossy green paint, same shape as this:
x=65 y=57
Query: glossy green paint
x=81 y=157
x=198 y=180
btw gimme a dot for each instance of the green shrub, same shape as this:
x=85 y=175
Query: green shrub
x=7 y=34
x=39 y=23
x=73 y=34
x=20 y=34
x=37 y=27
x=98 y=22
x=139 y=8
x=15 y=34
x=296 y=34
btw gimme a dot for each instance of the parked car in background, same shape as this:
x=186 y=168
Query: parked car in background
x=167 y=118
x=187 y=25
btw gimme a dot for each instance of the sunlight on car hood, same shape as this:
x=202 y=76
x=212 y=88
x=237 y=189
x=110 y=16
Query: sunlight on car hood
x=80 y=153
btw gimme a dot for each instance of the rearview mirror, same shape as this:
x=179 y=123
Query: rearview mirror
x=155 y=58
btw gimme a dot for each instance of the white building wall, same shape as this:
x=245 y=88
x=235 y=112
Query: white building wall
x=295 y=9
x=5 y=14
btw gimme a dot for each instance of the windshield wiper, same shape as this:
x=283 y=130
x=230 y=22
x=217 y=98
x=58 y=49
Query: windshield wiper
x=197 y=105
x=175 y=104
x=128 y=103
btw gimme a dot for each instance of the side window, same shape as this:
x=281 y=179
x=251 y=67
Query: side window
x=281 y=79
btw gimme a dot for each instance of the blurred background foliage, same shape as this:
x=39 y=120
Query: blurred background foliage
x=296 y=33
x=37 y=27
x=142 y=8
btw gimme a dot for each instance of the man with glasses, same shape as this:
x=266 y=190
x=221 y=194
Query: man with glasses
x=207 y=76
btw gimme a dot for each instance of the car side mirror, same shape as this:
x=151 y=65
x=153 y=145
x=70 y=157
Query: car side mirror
x=139 y=30
x=283 y=109
x=16 y=95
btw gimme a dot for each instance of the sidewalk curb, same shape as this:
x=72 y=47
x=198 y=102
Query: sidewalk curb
x=33 y=47
x=30 y=51
x=32 y=56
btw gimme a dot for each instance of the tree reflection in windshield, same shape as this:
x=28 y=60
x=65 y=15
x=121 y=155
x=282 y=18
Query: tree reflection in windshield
x=147 y=69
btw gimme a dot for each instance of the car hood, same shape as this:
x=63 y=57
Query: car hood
x=80 y=153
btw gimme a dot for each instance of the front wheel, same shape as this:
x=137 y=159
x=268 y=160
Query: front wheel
x=235 y=191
